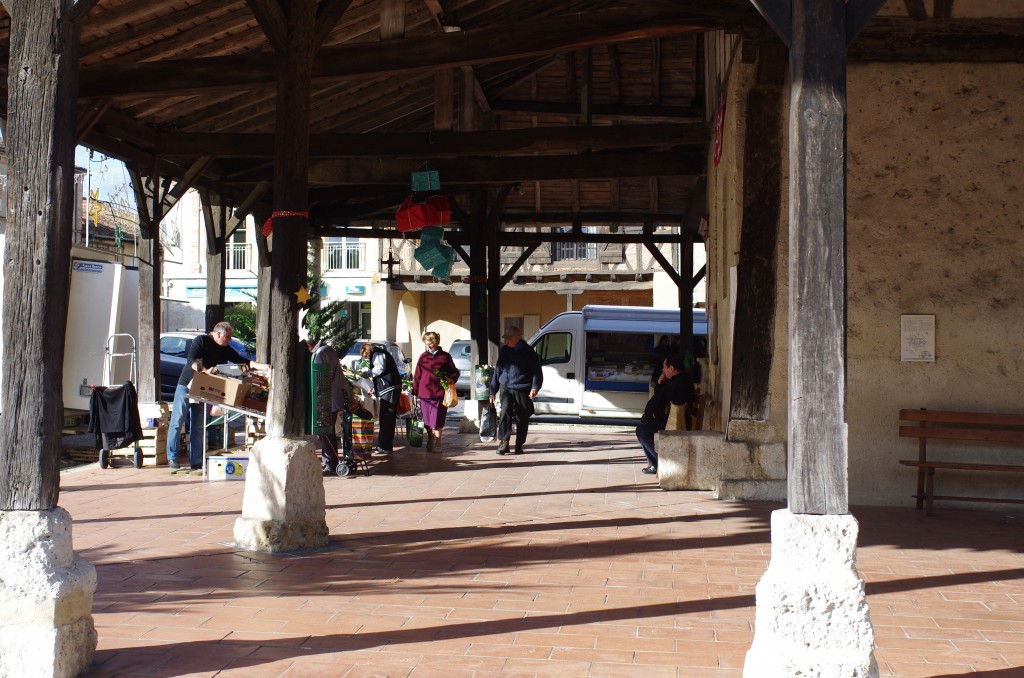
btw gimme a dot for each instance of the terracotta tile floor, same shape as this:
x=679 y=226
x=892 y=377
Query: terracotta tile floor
x=565 y=561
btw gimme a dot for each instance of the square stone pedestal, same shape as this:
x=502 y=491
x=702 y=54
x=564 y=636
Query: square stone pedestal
x=812 y=616
x=284 y=507
x=46 y=591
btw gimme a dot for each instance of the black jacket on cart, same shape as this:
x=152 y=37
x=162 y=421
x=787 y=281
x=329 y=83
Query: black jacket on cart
x=114 y=416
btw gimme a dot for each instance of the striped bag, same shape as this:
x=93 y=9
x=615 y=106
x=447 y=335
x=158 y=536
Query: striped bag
x=362 y=436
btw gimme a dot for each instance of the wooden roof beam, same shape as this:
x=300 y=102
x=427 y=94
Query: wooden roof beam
x=371 y=60
x=440 y=143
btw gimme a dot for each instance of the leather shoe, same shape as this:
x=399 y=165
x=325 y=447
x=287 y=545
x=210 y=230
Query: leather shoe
x=503 y=447
x=519 y=450
x=650 y=470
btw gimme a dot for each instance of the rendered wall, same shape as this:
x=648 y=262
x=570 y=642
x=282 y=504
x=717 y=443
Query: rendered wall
x=935 y=226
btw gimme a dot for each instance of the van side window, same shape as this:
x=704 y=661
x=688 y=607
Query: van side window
x=554 y=348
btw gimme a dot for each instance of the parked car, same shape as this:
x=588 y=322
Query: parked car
x=173 y=350
x=462 y=354
x=352 y=358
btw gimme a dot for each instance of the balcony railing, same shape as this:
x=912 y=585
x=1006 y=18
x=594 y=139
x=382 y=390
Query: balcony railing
x=237 y=257
x=344 y=256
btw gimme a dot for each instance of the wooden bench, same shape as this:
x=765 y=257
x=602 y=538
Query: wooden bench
x=958 y=426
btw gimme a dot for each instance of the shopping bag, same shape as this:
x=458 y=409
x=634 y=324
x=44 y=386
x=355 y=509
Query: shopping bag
x=488 y=424
x=451 y=398
x=414 y=431
x=362 y=435
x=404 y=405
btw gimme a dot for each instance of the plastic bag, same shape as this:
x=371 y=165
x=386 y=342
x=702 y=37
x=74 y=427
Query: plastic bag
x=488 y=424
x=363 y=384
x=451 y=398
x=404 y=405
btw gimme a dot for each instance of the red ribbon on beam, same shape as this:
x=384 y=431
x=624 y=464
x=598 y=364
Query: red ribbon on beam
x=268 y=225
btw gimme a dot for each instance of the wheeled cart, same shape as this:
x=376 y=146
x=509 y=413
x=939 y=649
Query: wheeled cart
x=114 y=410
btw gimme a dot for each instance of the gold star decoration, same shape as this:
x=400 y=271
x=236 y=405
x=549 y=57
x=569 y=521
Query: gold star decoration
x=303 y=295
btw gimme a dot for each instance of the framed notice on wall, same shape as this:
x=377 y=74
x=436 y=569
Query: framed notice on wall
x=917 y=338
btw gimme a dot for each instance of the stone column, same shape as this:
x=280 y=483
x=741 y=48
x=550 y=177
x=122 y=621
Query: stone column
x=46 y=590
x=812 y=617
x=284 y=507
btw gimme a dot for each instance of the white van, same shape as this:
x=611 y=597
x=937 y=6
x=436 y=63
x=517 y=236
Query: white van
x=598 y=362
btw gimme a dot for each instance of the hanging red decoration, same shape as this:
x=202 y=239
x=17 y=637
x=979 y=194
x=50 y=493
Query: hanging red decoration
x=434 y=211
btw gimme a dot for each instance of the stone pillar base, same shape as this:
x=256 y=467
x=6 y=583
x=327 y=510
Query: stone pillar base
x=46 y=592
x=283 y=508
x=812 y=617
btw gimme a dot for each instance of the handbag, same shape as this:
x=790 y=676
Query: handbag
x=451 y=397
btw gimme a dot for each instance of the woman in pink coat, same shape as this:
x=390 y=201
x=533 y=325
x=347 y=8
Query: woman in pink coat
x=434 y=364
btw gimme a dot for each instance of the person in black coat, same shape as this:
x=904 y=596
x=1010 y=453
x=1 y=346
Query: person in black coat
x=674 y=387
x=387 y=386
x=516 y=379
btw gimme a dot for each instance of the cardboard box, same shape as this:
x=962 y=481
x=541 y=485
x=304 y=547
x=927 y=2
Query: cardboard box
x=215 y=389
x=222 y=467
x=258 y=405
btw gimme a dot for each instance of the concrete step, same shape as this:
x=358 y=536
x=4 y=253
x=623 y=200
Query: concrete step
x=751 y=490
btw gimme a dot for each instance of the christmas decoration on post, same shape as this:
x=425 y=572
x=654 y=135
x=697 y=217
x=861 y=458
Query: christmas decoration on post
x=268 y=225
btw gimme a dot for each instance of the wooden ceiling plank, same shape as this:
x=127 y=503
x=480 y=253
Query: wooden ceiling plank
x=327 y=17
x=118 y=17
x=151 y=28
x=444 y=99
x=188 y=38
x=392 y=19
x=394 y=57
x=272 y=20
x=915 y=9
x=81 y=9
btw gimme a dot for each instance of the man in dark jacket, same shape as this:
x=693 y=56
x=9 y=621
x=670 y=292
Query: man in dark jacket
x=674 y=387
x=516 y=379
x=205 y=353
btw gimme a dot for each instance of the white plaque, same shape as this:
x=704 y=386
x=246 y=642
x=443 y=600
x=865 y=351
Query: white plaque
x=917 y=338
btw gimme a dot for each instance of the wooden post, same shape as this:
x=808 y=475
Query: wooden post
x=214 y=217
x=42 y=90
x=478 y=272
x=288 y=265
x=263 y=302
x=817 y=259
x=754 y=340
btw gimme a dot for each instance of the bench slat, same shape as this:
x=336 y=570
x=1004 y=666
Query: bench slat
x=991 y=500
x=963 y=467
x=982 y=418
x=983 y=434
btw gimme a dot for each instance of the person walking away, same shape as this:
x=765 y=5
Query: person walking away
x=433 y=364
x=674 y=387
x=205 y=352
x=516 y=379
x=322 y=354
x=387 y=387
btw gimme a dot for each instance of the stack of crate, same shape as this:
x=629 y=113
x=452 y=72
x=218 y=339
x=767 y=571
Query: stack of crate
x=255 y=430
x=155 y=418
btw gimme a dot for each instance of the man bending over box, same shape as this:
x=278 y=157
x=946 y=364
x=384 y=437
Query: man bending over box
x=204 y=354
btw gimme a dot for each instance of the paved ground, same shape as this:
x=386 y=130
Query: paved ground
x=564 y=561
